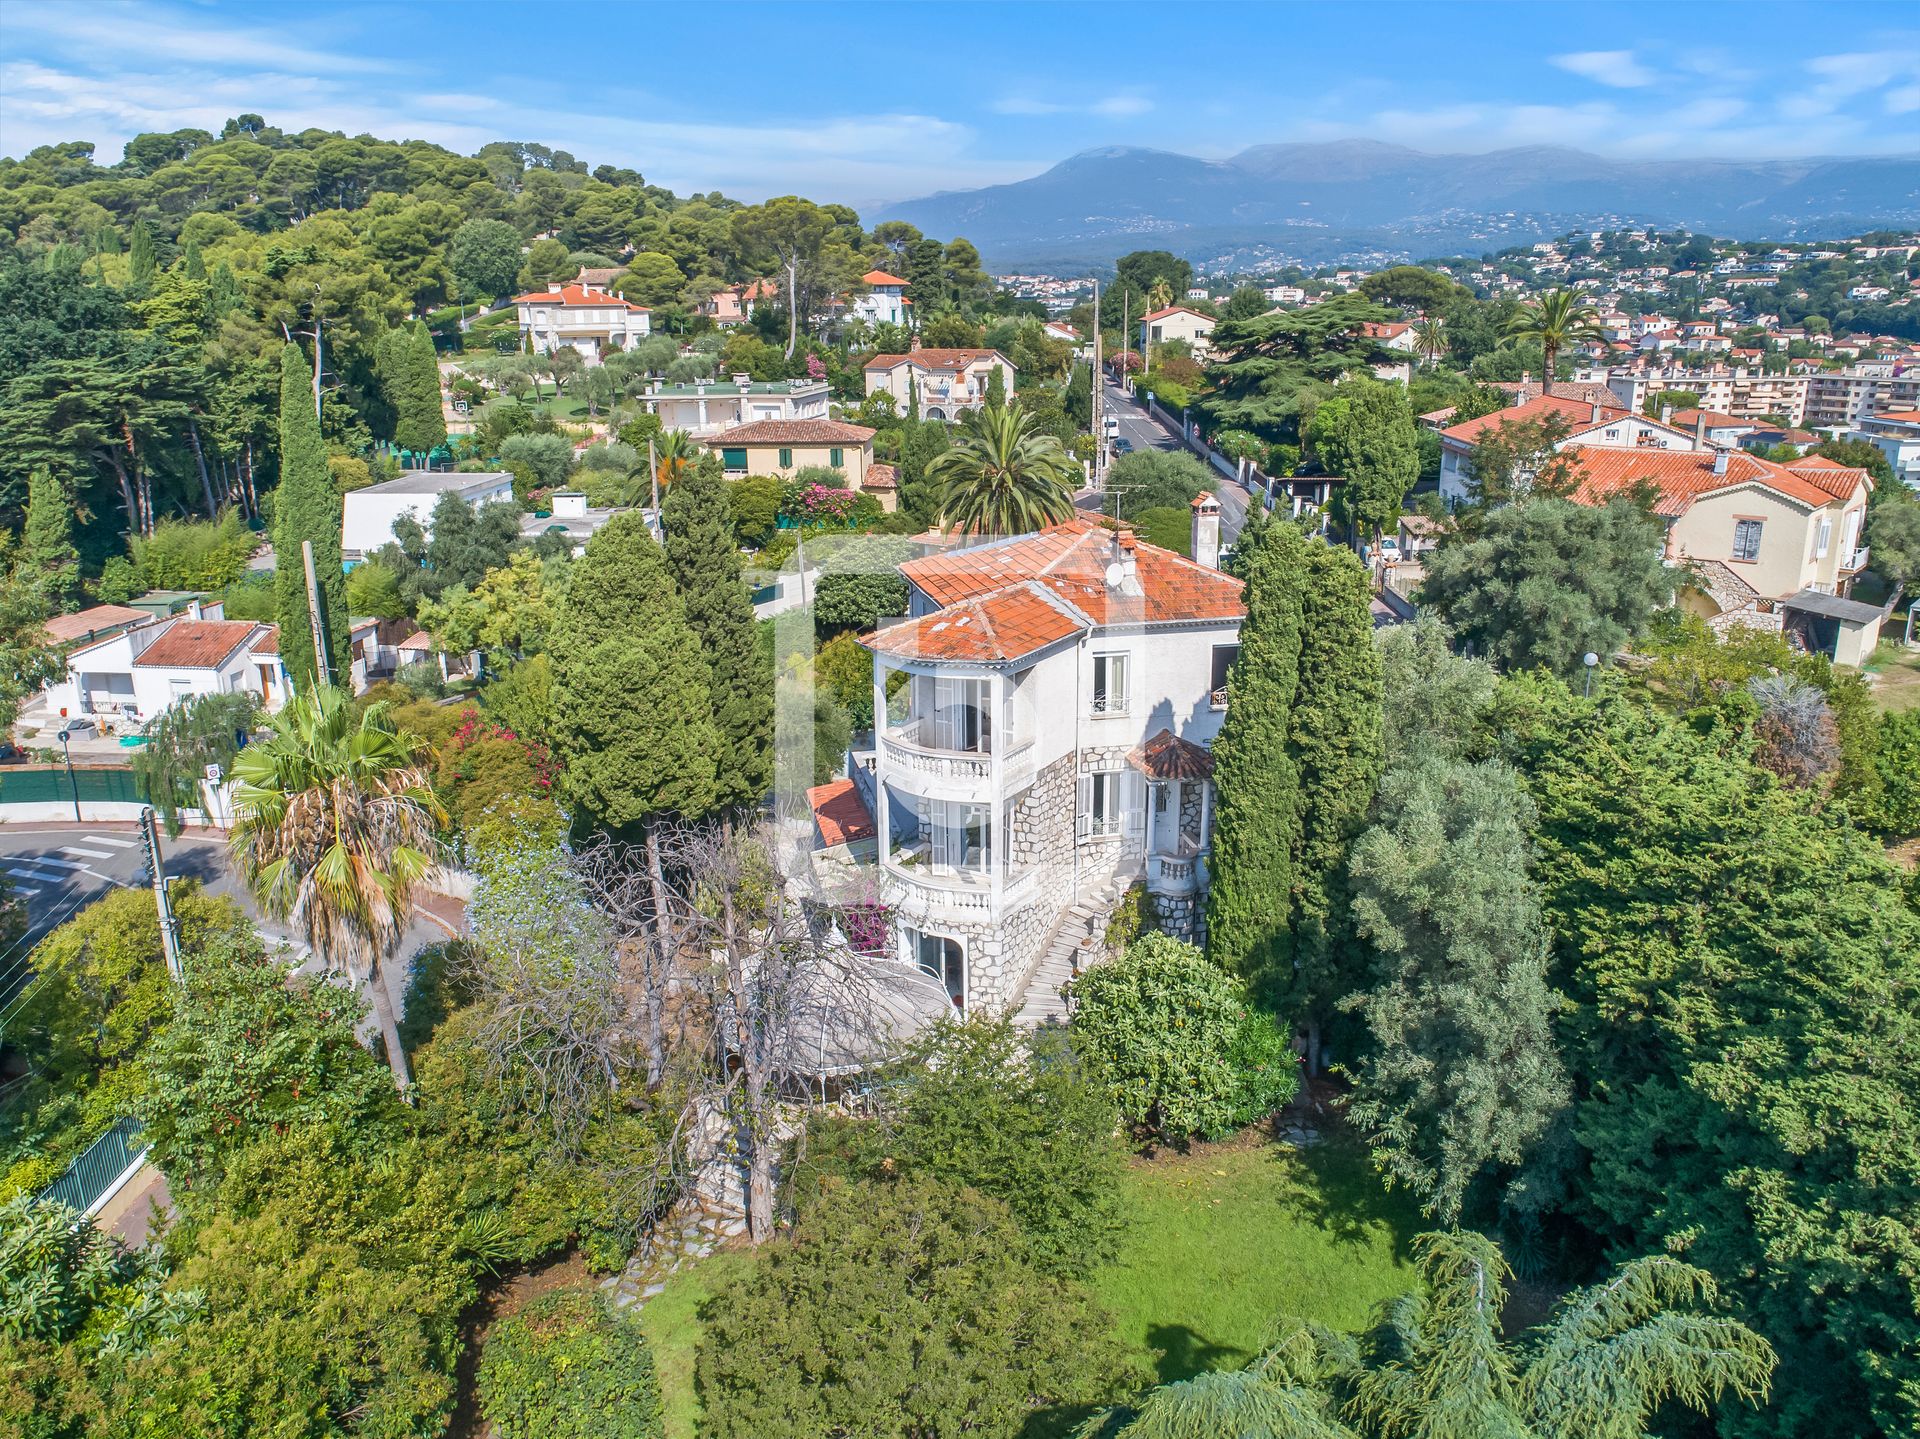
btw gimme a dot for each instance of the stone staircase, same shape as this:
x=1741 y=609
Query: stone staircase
x=1078 y=940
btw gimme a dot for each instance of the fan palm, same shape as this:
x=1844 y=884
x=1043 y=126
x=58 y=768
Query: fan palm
x=1557 y=319
x=1003 y=475
x=676 y=453
x=1159 y=294
x=333 y=829
x=1438 y=1366
x=1430 y=338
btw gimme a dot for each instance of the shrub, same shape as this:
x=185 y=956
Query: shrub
x=549 y=457
x=900 y=1308
x=1015 y=1116
x=755 y=506
x=1177 y=1044
x=569 y=1367
x=194 y=554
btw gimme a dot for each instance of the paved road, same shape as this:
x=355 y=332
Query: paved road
x=1145 y=433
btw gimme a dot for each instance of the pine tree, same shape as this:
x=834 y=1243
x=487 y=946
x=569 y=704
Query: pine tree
x=141 y=258
x=47 y=552
x=306 y=507
x=631 y=715
x=1255 y=771
x=1335 y=741
x=192 y=262
x=705 y=564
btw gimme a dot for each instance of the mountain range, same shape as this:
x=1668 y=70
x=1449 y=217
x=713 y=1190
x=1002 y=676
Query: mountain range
x=1319 y=203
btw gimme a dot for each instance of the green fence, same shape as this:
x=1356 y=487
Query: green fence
x=94 y=1172
x=31 y=784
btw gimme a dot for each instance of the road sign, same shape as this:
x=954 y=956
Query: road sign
x=213 y=774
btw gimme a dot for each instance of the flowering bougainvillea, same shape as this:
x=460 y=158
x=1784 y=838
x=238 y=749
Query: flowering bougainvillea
x=820 y=505
x=868 y=926
x=816 y=369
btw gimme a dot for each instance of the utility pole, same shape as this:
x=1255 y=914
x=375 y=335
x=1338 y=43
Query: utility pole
x=653 y=478
x=318 y=345
x=169 y=925
x=1099 y=424
x=322 y=661
x=1126 y=336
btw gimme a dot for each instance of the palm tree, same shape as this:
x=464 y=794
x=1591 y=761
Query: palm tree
x=1003 y=476
x=1439 y=1367
x=333 y=828
x=675 y=454
x=1557 y=319
x=1430 y=338
x=1159 y=295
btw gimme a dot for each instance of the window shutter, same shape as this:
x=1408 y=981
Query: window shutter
x=1133 y=801
x=1083 y=807
x=786 y=459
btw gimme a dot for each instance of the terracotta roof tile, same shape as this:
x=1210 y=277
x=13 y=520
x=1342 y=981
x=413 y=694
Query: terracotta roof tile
x=1840 y=481
x=839 y=812
x=196 y=644
x=82 y=623
x=1576 y=412
x=578 y=295
x=880 y=277
x=268 y=643
x=1683 y=476
x=1005 y=624
x=1167 y=756
x=1176 y=310
x=1071 y=560
x=881 y=477
x=792 y=432
x=935 y=359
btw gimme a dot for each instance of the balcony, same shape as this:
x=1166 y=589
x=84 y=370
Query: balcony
x=917 y=889
x=1174 y=874
x=1854 y=563
x=909 y=760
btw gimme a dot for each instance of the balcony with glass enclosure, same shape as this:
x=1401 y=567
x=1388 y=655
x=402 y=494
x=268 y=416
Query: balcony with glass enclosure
x=947 y=735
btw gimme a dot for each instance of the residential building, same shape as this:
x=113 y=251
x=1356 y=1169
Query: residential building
x=1895 y=435
x=368 y=515
x=583 y=317
x=1393 y=335
x=1766 y=545
x=1177 y=322
x=884 y=301
x=573 y=518
x=1585 y=424
x=947 y=382
x=94 y=623
x=1725 y=432
x=124 y=680
x=1045 y=720
x=783 y=447
x=1847 y=398
x=706 y=407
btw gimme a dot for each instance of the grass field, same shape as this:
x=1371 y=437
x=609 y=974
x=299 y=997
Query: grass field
x=1896 y=672
x=1219 y=1243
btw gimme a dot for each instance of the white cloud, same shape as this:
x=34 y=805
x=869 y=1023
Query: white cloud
x=1617 y=68
x=118 y=32
x=1112 y=107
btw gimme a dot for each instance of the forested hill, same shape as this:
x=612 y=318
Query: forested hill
x=145 y=301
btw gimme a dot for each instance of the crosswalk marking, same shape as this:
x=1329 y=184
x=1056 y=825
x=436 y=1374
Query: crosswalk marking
x=23 y=889
x=89 y=853
x=39 y=874
x=50 y=862
x=109 y=839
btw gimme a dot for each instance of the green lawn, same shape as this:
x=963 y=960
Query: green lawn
x=1896 y=671
x=1219 y=1244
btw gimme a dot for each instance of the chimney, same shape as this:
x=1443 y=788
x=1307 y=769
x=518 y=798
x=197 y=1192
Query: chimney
x=194 y=612
x=1666 y=414
x=1123 y=571
x=1206 y=530
x=1700 y=429
x=1520 y=395
x=1719 y=462
x=569 y=504
x=745 y=382
x=1594 y=418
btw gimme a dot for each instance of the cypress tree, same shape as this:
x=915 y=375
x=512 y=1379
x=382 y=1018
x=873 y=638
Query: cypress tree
x=705 y=564
x=47 y=552
x=1336 y=745
x=141 y=257
x=192 y=262
x=631 y=715
x=429 y=421
x=1255 y=771
x=306 y=507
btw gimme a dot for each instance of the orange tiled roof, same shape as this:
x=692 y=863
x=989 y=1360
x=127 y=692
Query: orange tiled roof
x=1176 y=310
x=1683 y=476
x=1003 y=624
x=81 y=623
x=1167 y=756
x=1071 y=560
x=578 y=295
x=792 y=432
x=839 y=812
x=268 y=643
x=935 y=359
x=1840 y=481
x=1577 y=412
x=1905 y=417
x=1687 y=419
x=880 y=277
x=881 y=477
x=196 y=644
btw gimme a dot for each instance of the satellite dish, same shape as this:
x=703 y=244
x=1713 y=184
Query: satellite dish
x=1116 y=572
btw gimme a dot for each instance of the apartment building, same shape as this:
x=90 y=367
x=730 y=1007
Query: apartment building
x=1045 y=716
x=1587 y=424
x=1806 y=397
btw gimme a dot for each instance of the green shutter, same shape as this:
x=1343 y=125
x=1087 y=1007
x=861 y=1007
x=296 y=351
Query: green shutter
x=733 y=459
x=786 y=459
x=837 y=458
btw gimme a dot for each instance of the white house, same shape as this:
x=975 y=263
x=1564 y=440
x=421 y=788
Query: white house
x=946 y=381
x=590 y=320
x=1177 y=322
x=124 y=680
x=1897 y=436
x=1045 y=717
x=367 y=515
x=707 y=407
x=884 y=301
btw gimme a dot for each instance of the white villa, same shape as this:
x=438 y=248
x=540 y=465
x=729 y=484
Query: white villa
x=1177 y=322
x=125 y=679
x=1587 y=424
x=947 y=381
x=1046 y=713
x=884 y=301
x=368 y=514
x=591 y=320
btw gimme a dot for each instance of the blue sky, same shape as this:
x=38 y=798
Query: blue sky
x=868 y=103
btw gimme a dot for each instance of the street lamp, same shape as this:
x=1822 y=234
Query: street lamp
x=66 y=744
x=1589 y=659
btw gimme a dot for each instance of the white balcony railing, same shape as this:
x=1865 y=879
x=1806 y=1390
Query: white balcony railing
x=1854 y=562
x=919 y=889
x=1171 y=874
x=902 y=757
